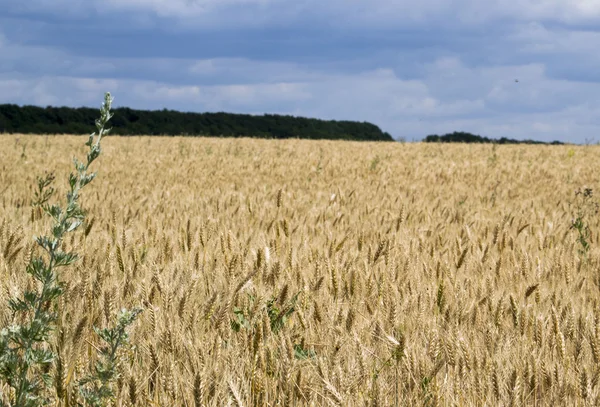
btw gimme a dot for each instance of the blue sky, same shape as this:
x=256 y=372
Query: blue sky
x=412 y=68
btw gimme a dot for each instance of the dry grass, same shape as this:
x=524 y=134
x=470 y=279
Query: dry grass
x=320 y=273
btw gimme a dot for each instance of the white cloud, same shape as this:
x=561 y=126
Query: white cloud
x=250 y=70
x=535 y=37
x=450 y=95
x=55 y=90
x=405 y=108
x=239 y=98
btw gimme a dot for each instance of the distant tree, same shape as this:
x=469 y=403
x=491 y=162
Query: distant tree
x=126 y=121
x=464 y=137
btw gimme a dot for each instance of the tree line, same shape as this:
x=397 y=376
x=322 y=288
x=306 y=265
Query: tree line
x=464 y=137
x=126 y=121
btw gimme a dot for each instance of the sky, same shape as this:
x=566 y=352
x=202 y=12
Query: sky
x=524 y=69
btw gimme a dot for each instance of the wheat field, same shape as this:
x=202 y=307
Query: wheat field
x=320 y=273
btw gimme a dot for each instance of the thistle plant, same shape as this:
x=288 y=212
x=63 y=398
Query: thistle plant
x=25 y=351
x=96 y=389
x=586 y=207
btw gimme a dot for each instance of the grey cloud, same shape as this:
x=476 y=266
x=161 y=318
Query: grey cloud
x=412 y=81
x=358 y=13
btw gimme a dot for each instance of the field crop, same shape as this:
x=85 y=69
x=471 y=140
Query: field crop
x=320 y=273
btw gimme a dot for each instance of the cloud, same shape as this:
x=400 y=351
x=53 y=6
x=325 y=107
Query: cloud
x=361 y=13
x=405 y=108
x=447 y=95
x=55 y=90
x=337 y=13
x=569 y=53
x=411 y=68
x=275 y=97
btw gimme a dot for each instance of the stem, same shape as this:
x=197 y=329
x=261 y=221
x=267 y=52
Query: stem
x=396 y=386
x=29 y=343
x=39 y=325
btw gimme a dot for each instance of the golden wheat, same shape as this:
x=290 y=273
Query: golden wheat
x=296 y=273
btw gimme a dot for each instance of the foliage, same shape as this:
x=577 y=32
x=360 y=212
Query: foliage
x=586 y=207
x=279 y=313
x=97 y=388
x=465 y=137
x=302 y=353
x=65 y=120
